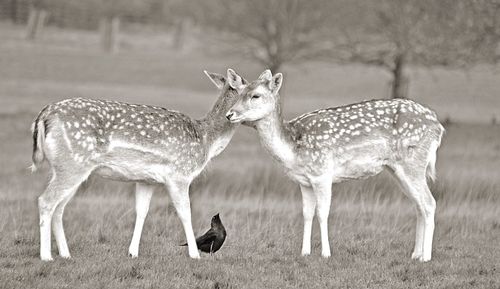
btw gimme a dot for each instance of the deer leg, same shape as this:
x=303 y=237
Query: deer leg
x=308 y=208
x=53 y=200
x=143 y=194
x=415 y=186
x=419 y=236
x=426 y=207
x=46 y=205
x=179 y=194
x=429 y=210
x=323 y=192
x=57 y=226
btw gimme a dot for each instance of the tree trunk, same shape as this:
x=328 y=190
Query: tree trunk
x=13 y=11
x=36 y=21
x=399 y=85
x=110 y=27
x=179 y=34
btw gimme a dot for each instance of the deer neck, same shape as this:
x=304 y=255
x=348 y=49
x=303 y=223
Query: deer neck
x=217 y=130
x=276 y=138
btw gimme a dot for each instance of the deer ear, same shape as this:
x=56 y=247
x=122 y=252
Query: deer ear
x=235 y=80
x=218 y=79
x=266 y=75
x=275 y=83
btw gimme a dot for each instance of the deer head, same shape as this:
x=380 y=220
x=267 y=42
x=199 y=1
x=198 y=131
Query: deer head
x=257 y=99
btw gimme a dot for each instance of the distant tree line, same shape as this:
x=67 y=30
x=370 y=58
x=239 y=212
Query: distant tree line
x=105 y=15
x=390 y=34
x=85 y=14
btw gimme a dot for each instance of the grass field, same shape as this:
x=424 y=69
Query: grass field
x=371 y=222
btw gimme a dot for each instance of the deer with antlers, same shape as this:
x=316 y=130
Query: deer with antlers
x=341 y=143
x=144 y=144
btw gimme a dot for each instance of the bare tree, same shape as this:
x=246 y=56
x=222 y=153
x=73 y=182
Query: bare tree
x=393 y=34
x=272 y=32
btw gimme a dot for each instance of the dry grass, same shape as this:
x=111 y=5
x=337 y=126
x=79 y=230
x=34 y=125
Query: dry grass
x=371 y=224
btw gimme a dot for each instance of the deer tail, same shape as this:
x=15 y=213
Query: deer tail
x=38 y=129
x=431 y=159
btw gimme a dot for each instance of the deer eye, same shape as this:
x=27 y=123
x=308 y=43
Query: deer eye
x=256 y=96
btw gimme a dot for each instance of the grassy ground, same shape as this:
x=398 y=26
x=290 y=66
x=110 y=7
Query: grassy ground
x=371 y=224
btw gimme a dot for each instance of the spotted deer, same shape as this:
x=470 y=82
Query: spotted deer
x=144 y=144
x=342 y=143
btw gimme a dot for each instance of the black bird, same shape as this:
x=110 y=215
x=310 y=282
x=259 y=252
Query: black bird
x=213 y=239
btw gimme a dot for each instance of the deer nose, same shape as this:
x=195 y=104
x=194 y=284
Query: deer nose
x=229 y=115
